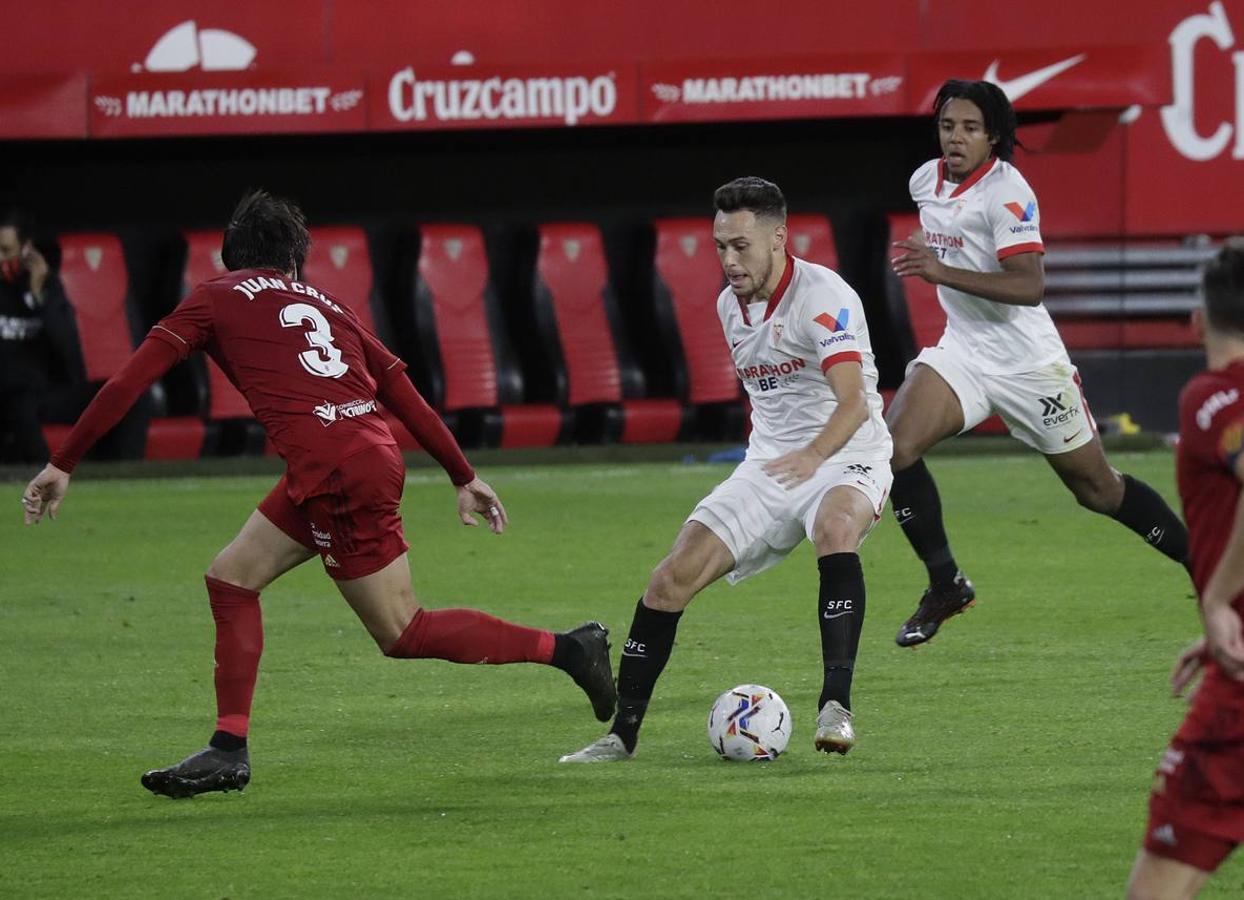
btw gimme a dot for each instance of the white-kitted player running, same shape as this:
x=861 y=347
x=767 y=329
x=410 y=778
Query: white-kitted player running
x=980 y=243
x=817 y=465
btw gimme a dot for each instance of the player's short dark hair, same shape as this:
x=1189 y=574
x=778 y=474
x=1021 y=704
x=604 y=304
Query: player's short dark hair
x=12 y=217
x=761 y=197
x=265 y=232
x=999 y=115
x=1223 y=283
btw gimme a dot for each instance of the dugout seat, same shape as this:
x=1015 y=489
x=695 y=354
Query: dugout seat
x=687 y=278
x=97 y=284
x=914 y=301
x=340 y=261
x=469 y=366
x=577 y=318
x=810 y=237
x=238 y=432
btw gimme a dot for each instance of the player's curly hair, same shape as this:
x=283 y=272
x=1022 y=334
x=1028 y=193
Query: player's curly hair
x=1223 y=288
x=1000 y=122
x=761 y=197
x=265 y=232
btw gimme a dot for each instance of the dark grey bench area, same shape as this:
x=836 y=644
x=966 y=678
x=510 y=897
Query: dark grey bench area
x=1123 y=311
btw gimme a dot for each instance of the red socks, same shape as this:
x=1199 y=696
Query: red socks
x=470 y=636
x=239 y=644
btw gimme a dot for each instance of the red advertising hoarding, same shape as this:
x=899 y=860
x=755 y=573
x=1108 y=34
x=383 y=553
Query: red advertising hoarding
x=419 y=97
x=1174 y=166
x=43 y=106
x=1069 y=77
x=780 y=88
x=201 y=103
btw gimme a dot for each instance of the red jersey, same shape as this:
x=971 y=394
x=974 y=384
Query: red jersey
x=1211 y=438
x=305 y=364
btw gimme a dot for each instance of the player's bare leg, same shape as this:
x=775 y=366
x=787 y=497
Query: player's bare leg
x=843 y=518
x=924 y=412
x=385 y=603
x=697 y=559
x=1101 y=488
x=259 y=555
x=1159 y=878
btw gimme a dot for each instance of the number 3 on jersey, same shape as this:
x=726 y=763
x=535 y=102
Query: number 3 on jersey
x=325 y=359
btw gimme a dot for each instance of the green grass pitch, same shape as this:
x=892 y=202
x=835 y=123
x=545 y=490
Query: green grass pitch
x=1011 y=757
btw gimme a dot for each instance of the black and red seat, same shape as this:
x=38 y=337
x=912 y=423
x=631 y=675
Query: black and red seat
x=577 y=317
x=97 y=283
x=810 y=237
x=687 y=280
x=224 y=401
x=340 y=262
x=469 y=368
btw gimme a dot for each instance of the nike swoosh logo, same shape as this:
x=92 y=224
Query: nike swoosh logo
x=1068 y=440
x=839 y=615
x=734 y=344
x=634 y=655
x=1026 y=84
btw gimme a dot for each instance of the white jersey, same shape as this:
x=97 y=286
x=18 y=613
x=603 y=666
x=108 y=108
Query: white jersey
x=975 y=225
x=781 y=350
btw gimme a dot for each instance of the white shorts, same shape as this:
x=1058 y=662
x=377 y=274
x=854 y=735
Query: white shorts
x=760 y=521
x=1045 y=408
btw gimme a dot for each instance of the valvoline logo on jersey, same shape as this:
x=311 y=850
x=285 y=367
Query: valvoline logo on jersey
x=834 y=323
x=1023 y=213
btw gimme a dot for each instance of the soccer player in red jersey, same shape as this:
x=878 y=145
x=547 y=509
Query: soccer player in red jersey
x=1196 y=810
x=313 y=375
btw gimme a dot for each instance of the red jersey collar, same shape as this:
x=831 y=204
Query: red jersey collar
x=981 y=171
x=778 y=293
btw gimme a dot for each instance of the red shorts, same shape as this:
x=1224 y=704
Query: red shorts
x=352 y=519
x=1196 y=811
x=1165 y=837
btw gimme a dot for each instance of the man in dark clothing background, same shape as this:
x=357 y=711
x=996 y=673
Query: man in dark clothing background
x=37 y=340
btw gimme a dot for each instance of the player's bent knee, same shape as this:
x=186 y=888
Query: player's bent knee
x=666 y=591
x=839 y=535
x=224 y=568
x=905 y=455
x=1095 y=497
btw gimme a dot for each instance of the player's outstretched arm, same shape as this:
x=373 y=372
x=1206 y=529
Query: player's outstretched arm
x=399 y=396
x=477 y=498
x=846 y=380
x=44 y=494
x=1020 y=283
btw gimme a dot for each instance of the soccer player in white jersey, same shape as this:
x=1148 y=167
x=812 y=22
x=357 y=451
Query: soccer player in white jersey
x=981 y=245
x=817 y=464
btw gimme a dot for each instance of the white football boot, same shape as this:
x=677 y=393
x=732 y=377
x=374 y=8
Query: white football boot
x=607 y=749
x=834 y=732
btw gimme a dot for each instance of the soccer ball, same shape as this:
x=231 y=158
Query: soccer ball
x=749 y=722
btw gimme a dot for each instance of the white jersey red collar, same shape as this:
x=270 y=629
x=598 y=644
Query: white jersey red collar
x=980 y=172
x=778 y=293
